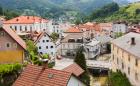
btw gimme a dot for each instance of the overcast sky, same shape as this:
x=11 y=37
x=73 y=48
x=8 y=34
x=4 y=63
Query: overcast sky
x=133 y=0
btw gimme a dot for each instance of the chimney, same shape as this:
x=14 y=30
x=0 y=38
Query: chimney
x=45 y=64
x=27 y=17
x=17 y=19
x=133 y=41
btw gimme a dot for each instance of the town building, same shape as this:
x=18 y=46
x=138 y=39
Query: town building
x=126 y=56
x=92 y=49
x=104 y=42
x=27 y=23
x=34 y=75
x=45 y=44
x=120 y=27
x=71 y=43
x=57 y=27
x=12 y=47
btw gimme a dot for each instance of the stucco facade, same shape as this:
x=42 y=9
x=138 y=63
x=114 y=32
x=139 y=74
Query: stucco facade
x=10 y=50
x=126 y=63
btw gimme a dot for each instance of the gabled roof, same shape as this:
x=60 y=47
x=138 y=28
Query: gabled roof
x=25 y=20
x=75 y=69
x=40 y=36
x=13 y=35
x=36 y=76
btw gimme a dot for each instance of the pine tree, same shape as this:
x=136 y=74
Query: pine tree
x=81 y=61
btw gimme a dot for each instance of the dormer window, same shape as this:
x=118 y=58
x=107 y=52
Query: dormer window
x=80 y=40
x=71 y=40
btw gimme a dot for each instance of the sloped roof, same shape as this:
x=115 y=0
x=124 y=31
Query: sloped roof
x=75 y=69
x=13 y=35
x=93 y=42
x=35 y=76
x=73 y=30
x=25 y=20
x=40 y=36
x=124 y=43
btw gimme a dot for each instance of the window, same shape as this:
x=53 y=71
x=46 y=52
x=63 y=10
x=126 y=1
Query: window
x=41 y=53
x=30 y=28
x=39 y=47
x=25 y=28
x=122 y=65
x=7 y=45
x=113 y=56
x=51 y=46
x=2 y=33
x=117 y=61
x=10 y=26
x=136 y=62
x=129 y=58
x=43 y=40
x=15 y=45
x=136 y=76
x=20 y=27
x=47 y=40
x=46 y=47
x=15 y=28
x=129 y=70
x=117 y=50
x=71 y=40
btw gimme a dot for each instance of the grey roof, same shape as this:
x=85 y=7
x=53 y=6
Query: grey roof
x=93 y=43
x=104 y=38
x=124 y=42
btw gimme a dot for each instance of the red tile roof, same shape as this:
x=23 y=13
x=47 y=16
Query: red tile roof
x=73 y=30
x=25 y=20
x=94 y=26
x=75 y=69
x=15 y=37
x=36 y=76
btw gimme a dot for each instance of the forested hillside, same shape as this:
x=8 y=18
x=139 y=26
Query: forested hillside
x=112 y=12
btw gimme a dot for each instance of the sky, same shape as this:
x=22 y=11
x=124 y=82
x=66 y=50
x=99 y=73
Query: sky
x=133 y=0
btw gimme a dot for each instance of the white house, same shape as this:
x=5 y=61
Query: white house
x=45 y=44
x=27 y=24
x=120 y=27
x=104 y=42
x=57 y=27
x=92 y=49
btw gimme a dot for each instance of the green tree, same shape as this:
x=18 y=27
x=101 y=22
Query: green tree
x=118 y=79
x=54 y=36
x=81 y=61
x=1 y=10
x=31 y=47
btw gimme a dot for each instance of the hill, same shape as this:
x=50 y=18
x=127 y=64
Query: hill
x=130 y=12
x=53 y=8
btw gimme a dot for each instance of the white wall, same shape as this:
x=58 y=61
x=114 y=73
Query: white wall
x=43 y=45
x=75 y=82
x=120 y=28
x=30 y=27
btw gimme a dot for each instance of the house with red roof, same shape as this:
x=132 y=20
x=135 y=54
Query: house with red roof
x=45 y=44
x=27 y=23
x=75 y=69
x=34 y=75
x=12 y=47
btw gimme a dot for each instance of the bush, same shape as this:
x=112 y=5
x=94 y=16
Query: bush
x=119 y=79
